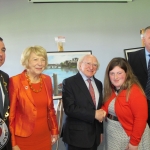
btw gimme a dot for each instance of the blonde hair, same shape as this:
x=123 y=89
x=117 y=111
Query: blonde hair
x=129 y=81
x=38 y=50
x=83 y=57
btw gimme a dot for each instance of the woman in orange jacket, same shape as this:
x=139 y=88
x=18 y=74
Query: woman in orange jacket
x=126 y=107
x=33 y=124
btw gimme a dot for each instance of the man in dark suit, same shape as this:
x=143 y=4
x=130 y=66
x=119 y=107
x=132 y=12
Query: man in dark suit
x=83 y=127
x=4 y=104
x=139 y=63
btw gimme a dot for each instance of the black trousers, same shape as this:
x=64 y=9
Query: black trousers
x=70 y=147
x=7 y=148
x=4 y=148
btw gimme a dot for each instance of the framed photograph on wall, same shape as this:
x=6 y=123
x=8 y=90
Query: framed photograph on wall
x=62 y=65
x=130 y=50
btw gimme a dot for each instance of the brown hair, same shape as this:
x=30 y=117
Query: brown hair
x=1 y=39
x=130 y=77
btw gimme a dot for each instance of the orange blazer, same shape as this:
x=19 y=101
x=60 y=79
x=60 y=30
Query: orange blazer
x=23 y=110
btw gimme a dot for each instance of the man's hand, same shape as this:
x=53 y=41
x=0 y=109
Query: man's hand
x=101 y=138
x=100 y=115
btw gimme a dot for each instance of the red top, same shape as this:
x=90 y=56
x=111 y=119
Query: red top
x=24 y=110
x=132 y=113
x=41 y=136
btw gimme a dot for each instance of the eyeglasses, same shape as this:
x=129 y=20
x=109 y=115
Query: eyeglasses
x=90 y=64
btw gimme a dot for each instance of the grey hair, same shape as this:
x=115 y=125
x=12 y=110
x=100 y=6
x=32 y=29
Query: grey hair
x=147 y=28
x=82 y=58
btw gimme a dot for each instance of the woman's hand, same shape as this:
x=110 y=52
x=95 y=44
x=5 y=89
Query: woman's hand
x=16 y=147
x=131 y=147
x=54 y=138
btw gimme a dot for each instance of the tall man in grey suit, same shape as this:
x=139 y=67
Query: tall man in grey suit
x=139 y=63
x=83 y=127
x=4 y=106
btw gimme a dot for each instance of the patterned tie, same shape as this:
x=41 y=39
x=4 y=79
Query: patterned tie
x=91 y=90
x=147 y=90
x=1 y=103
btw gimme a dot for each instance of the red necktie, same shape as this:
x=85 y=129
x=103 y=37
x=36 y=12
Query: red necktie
x=91 y=90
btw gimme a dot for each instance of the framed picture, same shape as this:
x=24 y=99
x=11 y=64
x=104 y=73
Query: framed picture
x=62 y=65
x=130 y=50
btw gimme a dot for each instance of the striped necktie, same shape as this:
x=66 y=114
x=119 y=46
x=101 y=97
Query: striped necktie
x=147 y=90
x=91 y=90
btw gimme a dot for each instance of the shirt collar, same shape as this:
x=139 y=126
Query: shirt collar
x=146 y=52
x=85 y=77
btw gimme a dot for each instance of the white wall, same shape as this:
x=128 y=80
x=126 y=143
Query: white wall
x=104 y=28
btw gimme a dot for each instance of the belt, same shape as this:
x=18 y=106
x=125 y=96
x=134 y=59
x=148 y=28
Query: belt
x=112 y=117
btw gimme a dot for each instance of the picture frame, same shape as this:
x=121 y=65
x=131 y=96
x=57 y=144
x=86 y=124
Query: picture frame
x=130 y=50
x=61 y=65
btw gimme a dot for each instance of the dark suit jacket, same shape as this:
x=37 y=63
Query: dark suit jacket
x=4 y=79
x=138 y=64
x=80 y=127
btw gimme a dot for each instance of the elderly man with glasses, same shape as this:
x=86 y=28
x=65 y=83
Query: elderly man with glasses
x=82 y=100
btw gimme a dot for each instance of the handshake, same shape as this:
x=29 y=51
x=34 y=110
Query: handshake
x=100 y=115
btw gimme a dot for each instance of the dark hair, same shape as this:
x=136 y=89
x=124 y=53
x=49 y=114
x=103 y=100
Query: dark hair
x=130 y=77
x=1 y=39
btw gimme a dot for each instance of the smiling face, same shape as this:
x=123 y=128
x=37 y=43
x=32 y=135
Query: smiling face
x=36 y=64
x=88 y=66
x=117 y=76
x=2 y=53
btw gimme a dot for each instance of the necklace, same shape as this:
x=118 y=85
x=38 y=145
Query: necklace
x=30 y=84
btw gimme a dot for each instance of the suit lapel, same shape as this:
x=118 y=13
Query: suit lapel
x=26 y=87
x=81 y=84
x=47 y=86
x=143 y=59
x=5 y=91
x=100 y=93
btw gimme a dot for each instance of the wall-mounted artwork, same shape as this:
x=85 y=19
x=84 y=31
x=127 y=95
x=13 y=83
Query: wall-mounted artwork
x=62 y=65
x=130 y=50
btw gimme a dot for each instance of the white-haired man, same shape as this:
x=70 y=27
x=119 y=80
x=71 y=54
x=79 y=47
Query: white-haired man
x=82 y=100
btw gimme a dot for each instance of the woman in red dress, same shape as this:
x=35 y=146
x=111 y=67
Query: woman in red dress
x=33 y=123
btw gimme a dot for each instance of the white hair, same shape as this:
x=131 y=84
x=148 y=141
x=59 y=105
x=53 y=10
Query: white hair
x=82 y=58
